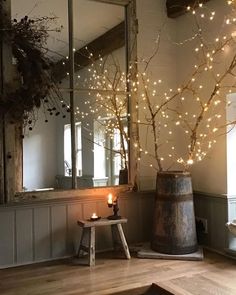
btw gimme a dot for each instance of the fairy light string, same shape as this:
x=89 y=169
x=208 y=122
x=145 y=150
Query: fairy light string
x=166 y=111
x=157 y=106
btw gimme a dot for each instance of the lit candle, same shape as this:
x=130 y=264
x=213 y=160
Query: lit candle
x=110 y=200
x=94 y=216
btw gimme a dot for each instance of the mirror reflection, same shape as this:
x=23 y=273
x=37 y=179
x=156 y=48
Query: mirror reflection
x=100 y=102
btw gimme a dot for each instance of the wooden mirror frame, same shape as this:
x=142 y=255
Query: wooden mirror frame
x=11 y=145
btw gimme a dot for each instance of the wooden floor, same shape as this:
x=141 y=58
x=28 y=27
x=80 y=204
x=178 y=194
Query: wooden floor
x=216 y=275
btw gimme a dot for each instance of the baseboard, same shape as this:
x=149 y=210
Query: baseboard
x=225 y=253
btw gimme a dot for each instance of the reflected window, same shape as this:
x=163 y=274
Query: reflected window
x=118 y=159
x=109 y=156
x=67 y=149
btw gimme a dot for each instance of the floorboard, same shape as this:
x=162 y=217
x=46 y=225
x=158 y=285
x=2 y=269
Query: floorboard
x=215 y=275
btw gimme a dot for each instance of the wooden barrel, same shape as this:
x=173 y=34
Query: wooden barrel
x=174 y=229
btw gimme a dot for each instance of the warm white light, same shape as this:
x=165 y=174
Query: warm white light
x=94 y=216
x=190 y=162
x=110 y=199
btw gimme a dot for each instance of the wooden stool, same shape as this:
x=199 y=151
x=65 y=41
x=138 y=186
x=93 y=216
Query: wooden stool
x=87 y=242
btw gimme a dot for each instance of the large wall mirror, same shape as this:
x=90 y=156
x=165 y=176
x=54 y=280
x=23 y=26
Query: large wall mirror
x=86 y=144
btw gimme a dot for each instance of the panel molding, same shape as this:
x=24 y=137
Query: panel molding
x=215 y=210
x=49 y=231
x=54 y=234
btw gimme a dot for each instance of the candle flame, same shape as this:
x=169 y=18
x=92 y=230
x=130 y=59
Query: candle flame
x=110 y=199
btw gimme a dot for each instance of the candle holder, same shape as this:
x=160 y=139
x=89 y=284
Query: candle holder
x=94 y=217
x=115 y=207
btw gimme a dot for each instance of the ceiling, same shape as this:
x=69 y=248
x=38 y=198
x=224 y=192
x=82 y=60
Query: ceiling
x=91 y=19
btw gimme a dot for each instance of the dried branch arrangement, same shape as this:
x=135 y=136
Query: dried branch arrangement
x=36 y=87
x=195 y=111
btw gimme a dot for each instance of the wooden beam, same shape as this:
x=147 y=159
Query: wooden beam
x=2 y=182
x=103 y=45
x=2 y=178
x=115 y=2
x=176 y=8
x=132 y=57
x=5 y=9
x=13 y=158
x=11 y=169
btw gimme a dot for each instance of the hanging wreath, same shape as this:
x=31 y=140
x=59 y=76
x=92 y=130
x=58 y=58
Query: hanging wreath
x=36 y=87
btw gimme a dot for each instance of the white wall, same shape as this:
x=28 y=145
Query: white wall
x=210 y=175
x=152 y=17
x=231 y=147
x=39 y=154
x=173 y=64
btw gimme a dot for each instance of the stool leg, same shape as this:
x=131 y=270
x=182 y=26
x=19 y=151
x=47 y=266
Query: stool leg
x=82 y=244
x=92 y=246
x=123 y=241
x=117 y=232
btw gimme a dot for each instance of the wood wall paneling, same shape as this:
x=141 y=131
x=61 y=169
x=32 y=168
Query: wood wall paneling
x=7 y=238
x=123 y=212
x=24 y=236
x=132 y=209
x=42 y=233
x=214 y=210
x=74 y=212
x=103 y=234
x=231 y=214
x=147 y=214
x=48 y=230
x=217 y=230
x=59 y=230
x=89 y=209
x=202 y=210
